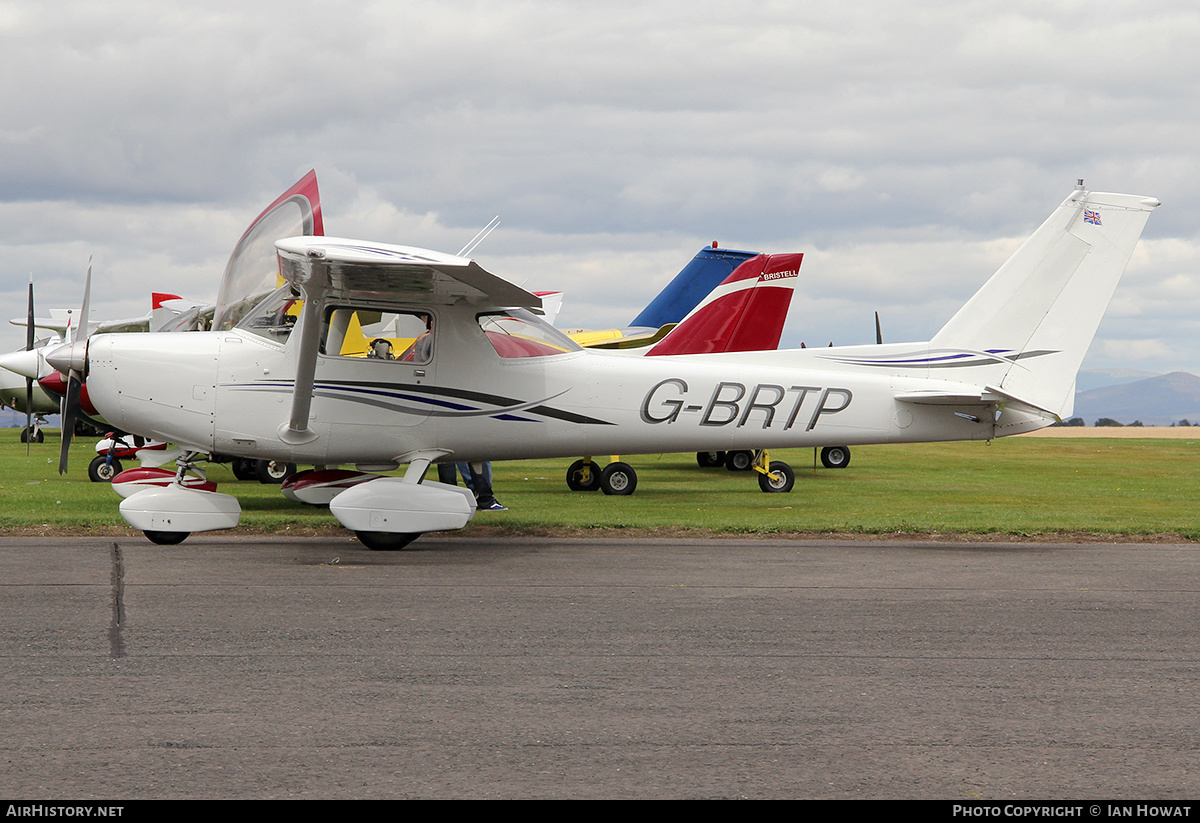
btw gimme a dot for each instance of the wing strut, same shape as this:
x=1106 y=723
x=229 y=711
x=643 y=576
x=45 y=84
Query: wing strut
x=314 y=287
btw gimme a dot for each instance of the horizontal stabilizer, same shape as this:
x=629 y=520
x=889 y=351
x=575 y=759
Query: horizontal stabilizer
x=921 y=398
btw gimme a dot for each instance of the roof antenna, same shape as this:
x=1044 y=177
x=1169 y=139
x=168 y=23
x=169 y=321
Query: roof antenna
x=479 y=238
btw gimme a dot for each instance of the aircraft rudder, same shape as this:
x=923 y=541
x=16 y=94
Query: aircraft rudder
x=1034 y=319
x=695 y=281
x=745 y=312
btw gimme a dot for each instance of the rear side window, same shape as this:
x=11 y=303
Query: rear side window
x=517 y=333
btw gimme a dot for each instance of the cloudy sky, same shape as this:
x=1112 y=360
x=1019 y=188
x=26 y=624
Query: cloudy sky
x=907 y=149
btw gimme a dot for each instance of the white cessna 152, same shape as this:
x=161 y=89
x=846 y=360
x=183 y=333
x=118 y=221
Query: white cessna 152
x=485 y=379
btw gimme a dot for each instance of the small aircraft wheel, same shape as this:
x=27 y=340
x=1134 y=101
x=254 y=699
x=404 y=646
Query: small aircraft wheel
x=37 y=436
x=273 y=471
x=706 y=460
x=101 y=471
x=835 y=457
x=386 y=541
x=166 y=538
x=739 y=461
x=783 y=481
x=243 y=469
x=575 y=477
x=618 y=478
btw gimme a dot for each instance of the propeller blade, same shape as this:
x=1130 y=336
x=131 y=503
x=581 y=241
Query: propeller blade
x=78 y=357
x=878 y=330
x=29 y=320
x=70 y=411
x=28 y=413
x=84 y=309
x=29 y=380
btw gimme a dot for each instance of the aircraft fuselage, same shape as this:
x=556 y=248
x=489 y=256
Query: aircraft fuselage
x=230 y=393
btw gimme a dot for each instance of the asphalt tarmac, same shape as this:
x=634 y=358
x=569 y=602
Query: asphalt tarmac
x=249 y=667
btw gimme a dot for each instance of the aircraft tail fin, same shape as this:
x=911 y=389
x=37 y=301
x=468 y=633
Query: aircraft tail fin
x=701 y=275
x=1029 y=327
x=745 y=312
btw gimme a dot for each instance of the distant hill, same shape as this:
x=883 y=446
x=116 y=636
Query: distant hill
x=1156 y=401
x=1089 y=379
x=10 y=419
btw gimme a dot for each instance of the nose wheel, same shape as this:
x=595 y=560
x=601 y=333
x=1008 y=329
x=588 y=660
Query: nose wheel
x=778 y=479
x=103 y=470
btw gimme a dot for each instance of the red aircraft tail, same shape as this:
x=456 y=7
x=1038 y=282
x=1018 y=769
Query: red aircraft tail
x=744 y=313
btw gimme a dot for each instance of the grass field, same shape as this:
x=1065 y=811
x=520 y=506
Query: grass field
x=1030 y=487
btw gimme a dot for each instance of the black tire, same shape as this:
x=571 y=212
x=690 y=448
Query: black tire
x=386 y=541
x=101 y=471
x=835 y=457
x=273 y=471
x=86 y=429
x=786 y=478
x=618 y=478
x=575 y=474
x=38 y=436
x=166 y=538
x=707 y=460
x=243 y=469
x=739 y=461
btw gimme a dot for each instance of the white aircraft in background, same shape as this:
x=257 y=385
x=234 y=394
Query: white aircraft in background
x=14 y=391
x=490 y=381
x=20 y=370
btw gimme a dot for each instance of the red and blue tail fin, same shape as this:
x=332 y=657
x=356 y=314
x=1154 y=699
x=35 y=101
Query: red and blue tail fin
x=745 y=312
x=701 y=275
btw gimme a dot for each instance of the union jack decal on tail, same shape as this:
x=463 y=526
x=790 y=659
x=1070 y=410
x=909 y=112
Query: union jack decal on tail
x=1092 y=216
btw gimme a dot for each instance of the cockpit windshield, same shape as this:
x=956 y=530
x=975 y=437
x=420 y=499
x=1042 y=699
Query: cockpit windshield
x=275 y=317
x=253 y=269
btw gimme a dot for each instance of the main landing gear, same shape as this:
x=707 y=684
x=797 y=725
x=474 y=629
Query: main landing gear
x=267 y=472
x=835 y=457
x=386 y=541
x=620 y=479
x=616 y=478
x=735 y=461
x=168 y=514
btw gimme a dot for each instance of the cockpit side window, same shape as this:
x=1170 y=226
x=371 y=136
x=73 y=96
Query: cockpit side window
x=372 y=334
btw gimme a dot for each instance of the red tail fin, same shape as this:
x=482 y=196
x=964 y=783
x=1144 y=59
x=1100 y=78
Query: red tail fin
x=744 y=313
x=158 y=298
